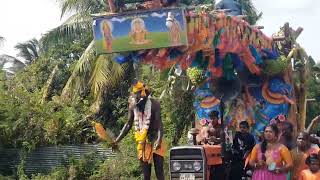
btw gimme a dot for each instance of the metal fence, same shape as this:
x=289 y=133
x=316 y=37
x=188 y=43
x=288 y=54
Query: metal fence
x=44 y=159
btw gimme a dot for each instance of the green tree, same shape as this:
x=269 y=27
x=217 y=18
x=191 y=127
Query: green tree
x=248 y=9
x=313 y=84
x=92 y=74
x=28 y=50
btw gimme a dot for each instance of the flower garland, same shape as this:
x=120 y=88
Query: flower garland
x=141 y=124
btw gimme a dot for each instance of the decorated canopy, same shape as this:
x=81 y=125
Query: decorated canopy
x=226 y=58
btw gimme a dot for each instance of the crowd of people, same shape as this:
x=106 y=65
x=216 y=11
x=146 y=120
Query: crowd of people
x=275 y=155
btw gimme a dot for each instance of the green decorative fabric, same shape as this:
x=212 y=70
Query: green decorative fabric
x=216 y=39
x=228 y=70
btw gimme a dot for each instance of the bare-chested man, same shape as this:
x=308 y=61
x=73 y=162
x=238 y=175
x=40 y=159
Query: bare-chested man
x=145 y=115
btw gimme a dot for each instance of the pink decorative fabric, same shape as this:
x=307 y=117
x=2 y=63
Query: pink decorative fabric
x=264 y=174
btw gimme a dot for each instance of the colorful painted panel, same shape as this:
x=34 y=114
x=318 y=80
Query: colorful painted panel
x=258 y=105
x=142 y=30
x=205 y=102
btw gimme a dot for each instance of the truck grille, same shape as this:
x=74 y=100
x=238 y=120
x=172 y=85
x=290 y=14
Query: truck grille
x=186 y=156
x=183 y=154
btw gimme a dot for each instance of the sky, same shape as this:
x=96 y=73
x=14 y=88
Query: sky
x=22 y=20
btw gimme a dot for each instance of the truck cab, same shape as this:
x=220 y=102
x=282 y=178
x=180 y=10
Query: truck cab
x=195 y=162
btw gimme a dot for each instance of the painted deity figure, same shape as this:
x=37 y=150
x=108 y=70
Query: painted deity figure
x=106 y=29
x=145 y=116
x=138 y=33
x=239 y=114
x=174 y=29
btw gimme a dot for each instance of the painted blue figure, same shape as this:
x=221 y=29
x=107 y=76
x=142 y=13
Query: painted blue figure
x=232 y=5
x=278 y=85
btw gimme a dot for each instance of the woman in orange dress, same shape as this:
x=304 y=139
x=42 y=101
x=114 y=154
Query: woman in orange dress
x=301 y=152
x=270 y=159
x=313 y=173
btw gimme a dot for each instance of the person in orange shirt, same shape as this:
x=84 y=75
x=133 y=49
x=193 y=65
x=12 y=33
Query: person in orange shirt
x=301 y=152
x=313 y=173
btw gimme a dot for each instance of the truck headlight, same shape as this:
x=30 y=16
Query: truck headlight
x=197 y=166
x=176 y=166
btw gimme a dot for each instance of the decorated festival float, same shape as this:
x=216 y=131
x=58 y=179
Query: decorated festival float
x=234 y=68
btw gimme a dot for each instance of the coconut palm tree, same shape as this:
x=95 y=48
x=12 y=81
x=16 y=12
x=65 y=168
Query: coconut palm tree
x=28 y=50
x=248 y=9
x=316 y=69
x=92 y=73
x=10 y=64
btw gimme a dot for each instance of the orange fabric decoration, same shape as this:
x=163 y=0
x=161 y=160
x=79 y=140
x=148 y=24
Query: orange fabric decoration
x=146 y=153
x=102 y=133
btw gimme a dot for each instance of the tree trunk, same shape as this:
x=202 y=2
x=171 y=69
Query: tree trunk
x=293 y=110
x=303 y=96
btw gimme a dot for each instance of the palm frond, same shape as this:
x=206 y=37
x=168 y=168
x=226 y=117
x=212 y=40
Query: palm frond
x=47 y=90
x=23 y=51
x=80 y=6
x=249 y=10
x=81 y=73
x=28 y=50
x=33 y=46
x=316 y=67
x=106 y=74
x=73 y=28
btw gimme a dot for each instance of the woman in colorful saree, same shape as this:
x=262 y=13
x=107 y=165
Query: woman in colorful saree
x=270 y=159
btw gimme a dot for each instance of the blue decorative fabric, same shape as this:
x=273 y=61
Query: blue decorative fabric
x=255 y=54
x=264 y=111
x=174 y=53
x=121 y=59
x=237 y=63
x=270 y=54
x=278 y=85
x=235 y=7
x=201 y=93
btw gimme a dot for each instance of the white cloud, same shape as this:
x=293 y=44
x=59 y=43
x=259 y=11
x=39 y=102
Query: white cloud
x=304 y=13
x=23 y=20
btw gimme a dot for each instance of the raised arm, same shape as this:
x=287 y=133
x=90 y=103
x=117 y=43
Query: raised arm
x=126 y=128
x=313 y=124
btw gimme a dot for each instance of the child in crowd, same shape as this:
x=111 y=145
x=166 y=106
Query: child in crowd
x=313 y=173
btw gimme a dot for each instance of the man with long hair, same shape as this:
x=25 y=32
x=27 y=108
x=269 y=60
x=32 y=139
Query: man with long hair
x=145 y=116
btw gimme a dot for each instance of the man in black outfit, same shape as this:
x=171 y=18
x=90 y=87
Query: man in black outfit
x=243 y=143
